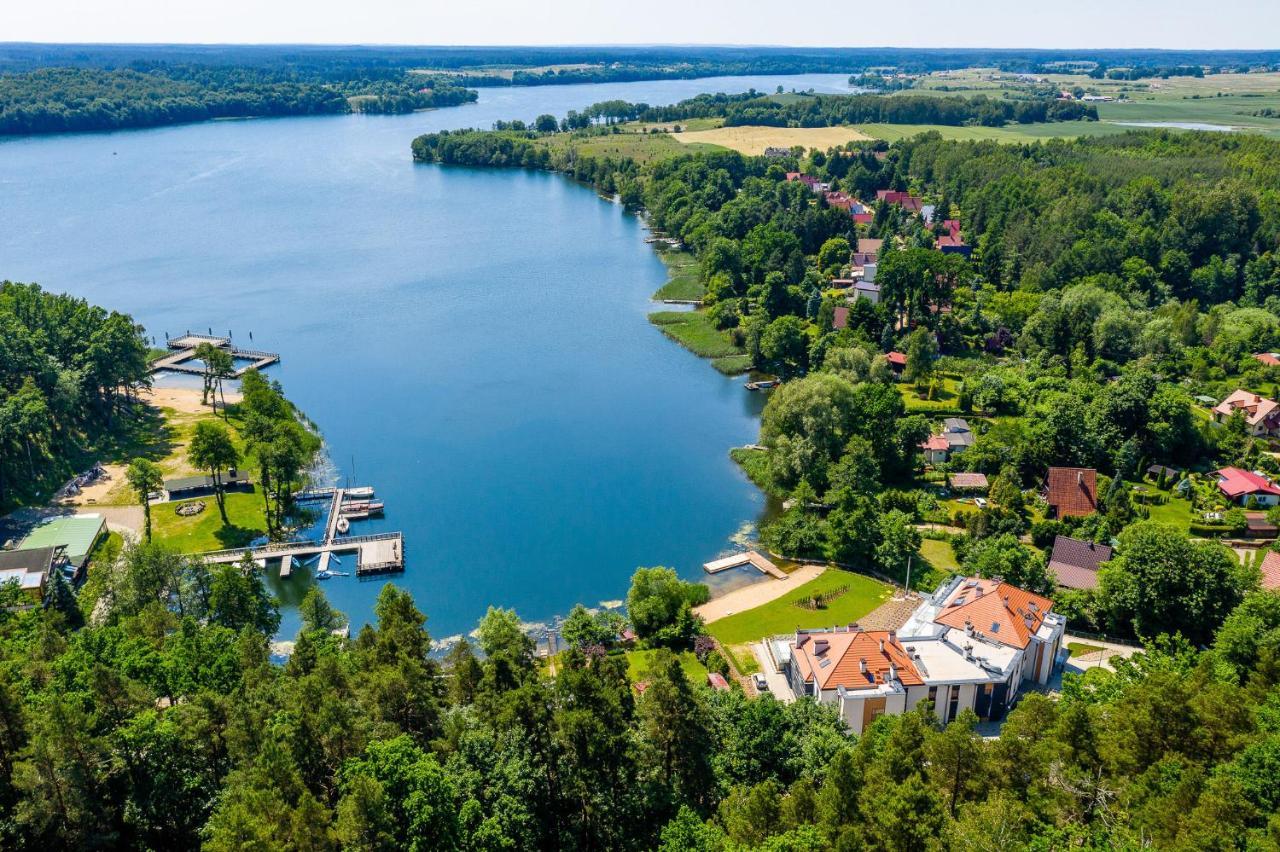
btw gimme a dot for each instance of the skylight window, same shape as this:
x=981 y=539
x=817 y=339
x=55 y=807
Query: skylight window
x=995 y=627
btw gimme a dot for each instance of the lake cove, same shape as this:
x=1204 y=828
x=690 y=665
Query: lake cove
x=472 y=343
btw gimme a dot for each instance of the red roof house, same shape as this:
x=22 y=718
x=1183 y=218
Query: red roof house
x=841 y=319
x=717 y=681
x=1239 y=485
x=857 y=659
x=1271 y=359
x=997 y=610
x=905 y=200
x=1271 y=571
x=1071 y=491
x=1261 y=415
x=897 y=360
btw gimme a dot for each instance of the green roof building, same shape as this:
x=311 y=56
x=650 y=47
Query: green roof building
x=74 y=533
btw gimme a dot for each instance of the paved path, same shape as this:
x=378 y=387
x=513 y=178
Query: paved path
x=777 y=681
x=756 y=594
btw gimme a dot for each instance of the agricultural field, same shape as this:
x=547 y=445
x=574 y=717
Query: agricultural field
x=629 y=142
x=753 y=140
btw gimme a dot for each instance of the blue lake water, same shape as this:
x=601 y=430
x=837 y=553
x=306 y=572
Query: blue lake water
x=472 y=343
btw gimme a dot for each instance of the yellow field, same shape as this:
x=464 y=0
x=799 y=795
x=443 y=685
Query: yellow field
x=753 y=140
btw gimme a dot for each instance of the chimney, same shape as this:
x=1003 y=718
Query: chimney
x=893 y=673
x=893 y=637
x=881 y=646
x=968 y=627
x=1080 y=477
x=862 y=664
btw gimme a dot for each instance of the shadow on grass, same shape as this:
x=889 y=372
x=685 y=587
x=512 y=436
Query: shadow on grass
x=230 y=536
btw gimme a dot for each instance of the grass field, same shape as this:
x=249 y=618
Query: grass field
x=940 y=555
x=695 y=331
x=946 y=399
x=628 y=142
x=1013 y=133
x=1176 y=512
x=783 y=616
x=638 y=663
x=753 y=140
x=205 y=530
x=683 y=279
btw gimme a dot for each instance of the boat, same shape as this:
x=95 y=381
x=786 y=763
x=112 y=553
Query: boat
x=359 y=491
x=324 y=574
x=343 y=526
x=361 y=507
x=762 y=385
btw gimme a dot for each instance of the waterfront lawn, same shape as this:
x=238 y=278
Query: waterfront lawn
x=205 y=531
x=694 y=331
x=783 y=616
x=732 y=365
x=755 y=464
x=684 y=280
x=638 y=663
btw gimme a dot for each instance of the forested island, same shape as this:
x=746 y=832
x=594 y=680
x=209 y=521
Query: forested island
x=57 y=100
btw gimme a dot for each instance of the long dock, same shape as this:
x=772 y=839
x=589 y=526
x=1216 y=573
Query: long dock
x=183 y=350
x=751 y=557
x=380 y=553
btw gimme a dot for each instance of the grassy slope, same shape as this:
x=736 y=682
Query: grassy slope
x=940 y=555
x=783 y=616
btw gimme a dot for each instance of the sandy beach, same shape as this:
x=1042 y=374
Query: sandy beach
x=756 y=594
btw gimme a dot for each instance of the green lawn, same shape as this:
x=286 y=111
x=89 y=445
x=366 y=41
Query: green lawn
x=695 y=331
x=205 y=531
x=638 y=663
x=783 y=616
x=1176 y=511
x=940 y=555
x=1079 y=649
x=1011 y=133
x=683 y=279
x=947 y=397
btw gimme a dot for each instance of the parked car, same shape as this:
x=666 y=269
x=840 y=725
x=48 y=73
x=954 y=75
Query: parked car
x=980 y=502
x=761 y=684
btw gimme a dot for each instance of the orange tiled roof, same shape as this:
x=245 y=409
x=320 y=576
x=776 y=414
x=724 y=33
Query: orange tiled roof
x=835 y=659
x=1271 y=570
x=998 y=610
x=1072 y=491
x=1257 y=409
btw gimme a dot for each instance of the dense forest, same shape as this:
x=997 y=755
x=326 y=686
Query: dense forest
x=163 y=724
x=68 y=370
x=623 y=60
x=55 y=100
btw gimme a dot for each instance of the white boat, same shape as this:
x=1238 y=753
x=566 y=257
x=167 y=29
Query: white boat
x=343 y=526
x=359 y=491
x=323 y=574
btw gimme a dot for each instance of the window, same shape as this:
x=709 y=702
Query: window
x=953 y=704
x=933 y=697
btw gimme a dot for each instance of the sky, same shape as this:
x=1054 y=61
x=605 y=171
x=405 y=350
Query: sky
x=1224 y=24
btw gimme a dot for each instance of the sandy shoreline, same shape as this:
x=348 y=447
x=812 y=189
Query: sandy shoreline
x=756 y=594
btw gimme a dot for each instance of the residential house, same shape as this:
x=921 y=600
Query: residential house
x=956 y=432
x=1271 y=571
x=73 y=535
x=927 y=211
x=810 y=181
x=1071 y=491
x=1171 y=474
x=869 y=273
x=775 y=153
x=897 y=361
x=1240 y=485
x=970 y=645
x=841 y=318
x=839 y=201
x=935 y=449
x=30 y=569
x=869 y=249
x=905 y=200
x=868 y=290
x=968 y=482
x=1261 y=415
x=717 y=682
x=862 y=258
x=1271 y=359
x=1074 y=562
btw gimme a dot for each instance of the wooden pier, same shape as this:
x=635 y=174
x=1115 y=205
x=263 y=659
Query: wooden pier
x=183 y=350
x=380 y=553
x=751 y=558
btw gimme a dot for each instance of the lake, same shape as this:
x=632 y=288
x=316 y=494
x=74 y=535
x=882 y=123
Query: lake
x=472 y=343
